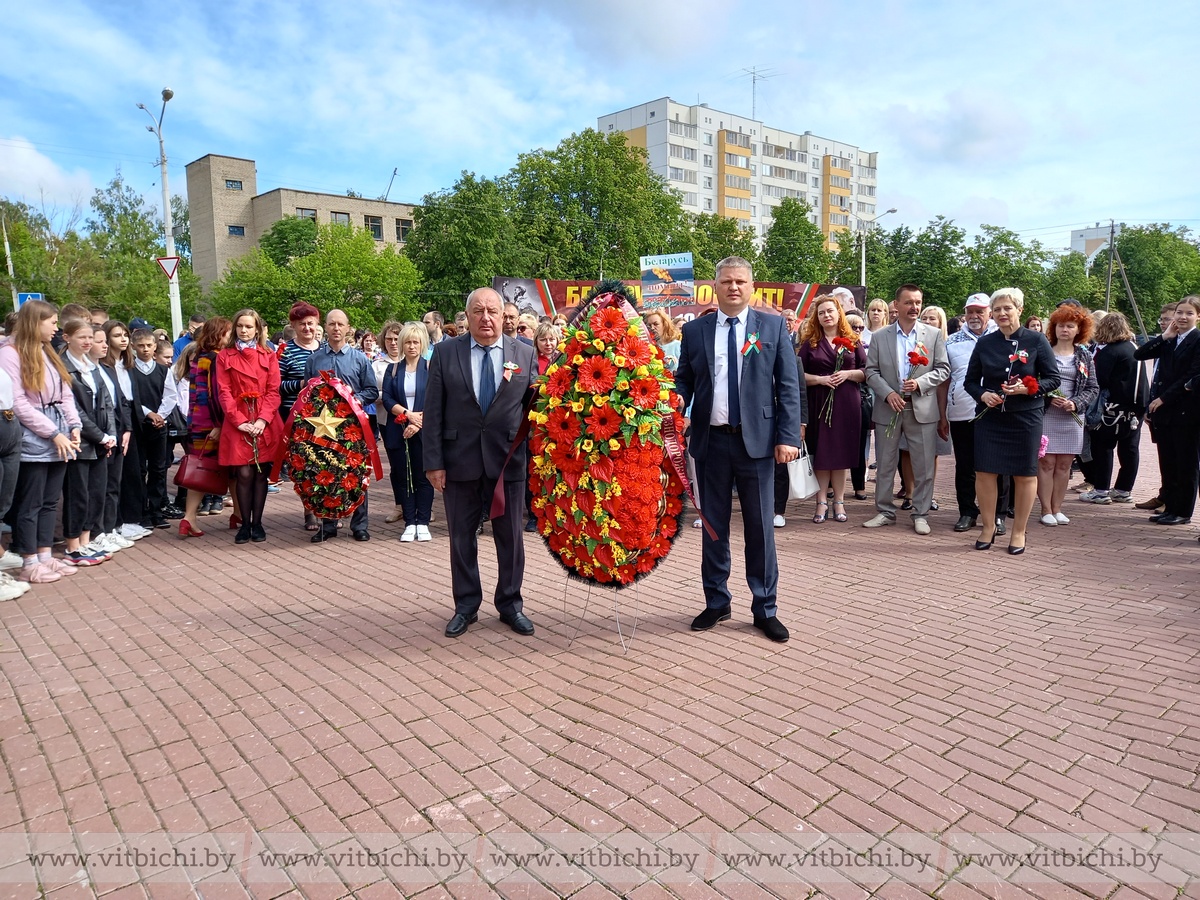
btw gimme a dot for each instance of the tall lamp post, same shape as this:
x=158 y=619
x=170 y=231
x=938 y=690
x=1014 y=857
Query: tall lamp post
x=603 y=251
x=863 y=271
x=173 y=285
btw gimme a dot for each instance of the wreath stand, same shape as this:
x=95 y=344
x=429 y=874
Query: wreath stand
x=616 y=591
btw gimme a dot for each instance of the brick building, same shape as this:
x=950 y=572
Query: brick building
x=228 y=215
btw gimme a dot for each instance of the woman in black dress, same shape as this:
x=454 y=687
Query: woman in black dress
x=1010 y=372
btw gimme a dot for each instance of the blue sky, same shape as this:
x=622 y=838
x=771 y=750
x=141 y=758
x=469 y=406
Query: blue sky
x=1038 y=116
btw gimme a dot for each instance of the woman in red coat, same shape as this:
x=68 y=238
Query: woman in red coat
x=248 y=385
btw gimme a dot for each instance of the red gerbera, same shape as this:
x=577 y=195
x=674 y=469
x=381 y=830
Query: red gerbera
x=604 y=422
x=608 y=324
x=597 y=375
x=635 y=350
x=1031 y=384
x=325 y=478
x=349 y=482
x=354 y=459
x=563 y=426
x=644 y=392
x=560 y=382
x=352 y=433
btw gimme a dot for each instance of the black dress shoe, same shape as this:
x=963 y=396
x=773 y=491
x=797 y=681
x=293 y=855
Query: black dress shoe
x=1171 y=520
x=772 y=628
x=518 y=622
x=964 y=523
x=531 y=525
x=258 y=534
x=458 y=624
x=709 y=618
x=859 y=495
x=322 y=536
x=171 y=512
x=362 y=535
x=1156 y=516
x=1000 y=527
x=243 y=535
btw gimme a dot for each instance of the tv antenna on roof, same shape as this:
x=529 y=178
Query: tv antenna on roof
x=756 y=75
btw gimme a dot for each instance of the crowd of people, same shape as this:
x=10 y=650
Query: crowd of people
x=92 y=412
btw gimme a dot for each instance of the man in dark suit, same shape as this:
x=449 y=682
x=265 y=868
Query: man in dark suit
x=474 y=406
x=739 y=372
x=1174 y=411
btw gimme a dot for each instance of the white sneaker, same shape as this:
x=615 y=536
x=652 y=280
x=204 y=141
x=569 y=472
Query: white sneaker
x=117 y=541
x=779 y=521
x=410 y=534
x=697 y=524
x=423 y=533
x=10 y=588
x=879 y=521
x=1100 y=497
x=1061 y=519
x=101 y=544
x=11 y=560
x=1048 y=519
x=1120 y=496
x=134 y=532
x=96 y=549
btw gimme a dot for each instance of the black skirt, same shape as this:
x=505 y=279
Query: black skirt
x=1007 y=441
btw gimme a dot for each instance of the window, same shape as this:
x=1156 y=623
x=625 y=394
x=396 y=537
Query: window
x=232 y=184
x=237 y=230
x=866 y=171
x=708 y=138
x=338 y=218
x=816 y=181
x=753 y=211
x=753 y=168
x=737 y=161
x=374 y=224
x=814 y=201
x=816 y=162
x=770 y=190
x=737 y=203
x=739 y=182
x=839 y=181
x=403 y=227
x=708 y=160
x=754 y=190
x=866 y=190
x=690 y=199
x=678 y=151
x=708 y=182
x=737 y=140
x=839 y=163
x=866 y=207
x=708 y=203
x=683 y=130
x=303 y=212
x=839 y=219
x=687 y=176
x=839 y=201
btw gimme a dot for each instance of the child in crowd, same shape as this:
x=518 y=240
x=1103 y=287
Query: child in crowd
x=149 y=379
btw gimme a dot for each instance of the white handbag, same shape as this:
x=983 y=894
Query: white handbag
x=802 y=480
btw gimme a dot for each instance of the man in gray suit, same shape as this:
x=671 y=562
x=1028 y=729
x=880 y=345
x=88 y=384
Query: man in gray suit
x=474 y=406
x=905 y=363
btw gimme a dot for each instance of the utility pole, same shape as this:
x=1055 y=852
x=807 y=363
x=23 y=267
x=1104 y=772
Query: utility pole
x=12 y=278
x=1112 y=252
x=173 y=284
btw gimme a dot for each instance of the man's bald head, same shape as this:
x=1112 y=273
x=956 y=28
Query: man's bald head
x=485 y=311
x=337 y=328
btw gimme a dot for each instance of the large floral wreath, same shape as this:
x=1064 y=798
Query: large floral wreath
x=606 y=497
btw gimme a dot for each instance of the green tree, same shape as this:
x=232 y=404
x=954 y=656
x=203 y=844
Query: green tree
x=181 y=221
x=289 y=238
x=1162 y=264
x=712 y=238
x=50 y=256
x=462 y=238
x=346 y=270
x=593 y=198
x=1067 y=277
x=999 y=258
x=794 y=248
x=936 y=260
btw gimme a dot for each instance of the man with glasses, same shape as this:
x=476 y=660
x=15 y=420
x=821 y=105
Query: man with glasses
x=512 y=318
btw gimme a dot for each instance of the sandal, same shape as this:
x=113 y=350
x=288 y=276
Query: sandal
x=839 y=516
x=310 y=522
x=820 y=516
x=907 y=504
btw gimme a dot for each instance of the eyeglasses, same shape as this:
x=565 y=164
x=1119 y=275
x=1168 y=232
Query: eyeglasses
x=858 y=327
x=522 y=328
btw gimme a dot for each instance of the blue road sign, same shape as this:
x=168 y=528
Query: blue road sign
x=21 y=298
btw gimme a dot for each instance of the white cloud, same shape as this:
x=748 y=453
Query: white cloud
x=31 y=177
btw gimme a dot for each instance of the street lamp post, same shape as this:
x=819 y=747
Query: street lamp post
x=604 y=250
x=173 y=284
x=863 y=239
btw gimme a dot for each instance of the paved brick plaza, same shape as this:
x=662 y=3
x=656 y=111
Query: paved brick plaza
x=194 y=697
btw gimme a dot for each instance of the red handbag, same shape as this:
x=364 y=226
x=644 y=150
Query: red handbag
x=202 y=474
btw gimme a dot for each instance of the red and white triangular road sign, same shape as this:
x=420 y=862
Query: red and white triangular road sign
x=169 y=265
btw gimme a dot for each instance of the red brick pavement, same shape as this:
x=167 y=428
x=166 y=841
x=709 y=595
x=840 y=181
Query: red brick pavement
x=296 y=696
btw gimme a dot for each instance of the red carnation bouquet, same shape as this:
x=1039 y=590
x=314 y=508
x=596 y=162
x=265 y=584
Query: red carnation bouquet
x=606 y=497
x=842 y=345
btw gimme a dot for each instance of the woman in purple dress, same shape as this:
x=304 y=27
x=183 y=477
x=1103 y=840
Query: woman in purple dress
x=834 y=367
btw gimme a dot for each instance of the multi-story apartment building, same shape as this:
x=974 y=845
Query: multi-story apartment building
x=737 y=167
x=228 y=215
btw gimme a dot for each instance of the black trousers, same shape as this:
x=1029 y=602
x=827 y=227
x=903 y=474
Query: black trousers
x=466 y=502
x=133 y=487
x=10 y=462
x=1178 y=446
x=962 y=437
x=39 y=487
x=154 y=447
x=83 y=495
x=1124 y=441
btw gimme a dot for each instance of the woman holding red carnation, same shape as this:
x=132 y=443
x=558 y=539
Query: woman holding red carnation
x=251 y=435
x=404 y=399
x=1062 y=422
x=832 y=357
x=1010 y=372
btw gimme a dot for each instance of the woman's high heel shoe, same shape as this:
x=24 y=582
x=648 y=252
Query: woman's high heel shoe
x=820 y=516
x=839 y=516
x=187 y=529
x=1015 y=551
x=985 y=545
x=235 y=521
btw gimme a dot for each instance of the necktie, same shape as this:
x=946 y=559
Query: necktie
x=735 y=401
x=487 y=380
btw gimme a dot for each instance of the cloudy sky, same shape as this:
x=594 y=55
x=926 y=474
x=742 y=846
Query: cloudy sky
x=1039 y=116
